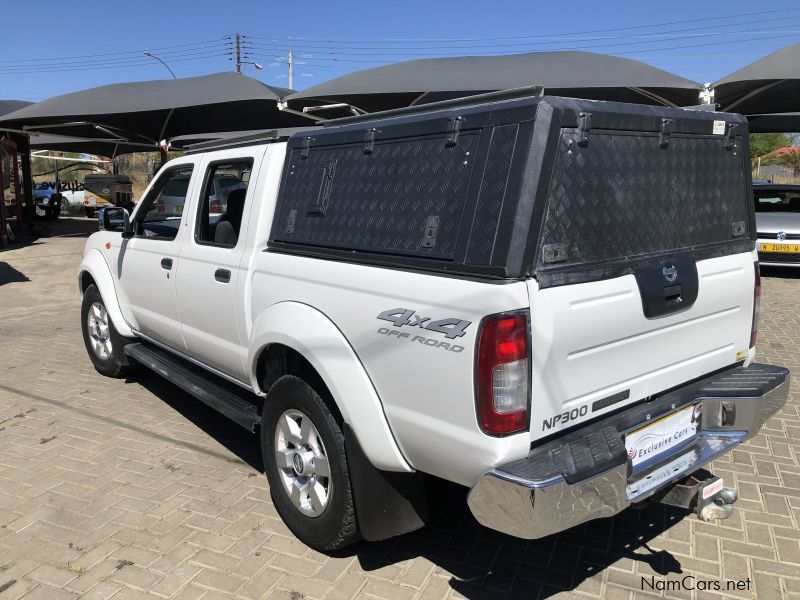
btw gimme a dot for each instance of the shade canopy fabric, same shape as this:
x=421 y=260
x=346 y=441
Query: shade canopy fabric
x=148 y=111
x=63 y=143
x=185 y=142
x=9 y=106
x=780 y=122
x=567 y=73
x=769 y=85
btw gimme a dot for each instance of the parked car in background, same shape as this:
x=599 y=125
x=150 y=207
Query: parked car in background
x=103 y=190
x=53 y=198
x=778 y=223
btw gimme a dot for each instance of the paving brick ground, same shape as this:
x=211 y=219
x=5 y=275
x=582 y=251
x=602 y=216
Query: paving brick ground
x=129 y=489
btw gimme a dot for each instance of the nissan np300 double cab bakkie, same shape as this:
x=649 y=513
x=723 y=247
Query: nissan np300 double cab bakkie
x=552 y=302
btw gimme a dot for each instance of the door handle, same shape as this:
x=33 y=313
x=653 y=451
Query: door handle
x=222 y=275
x=166 y=264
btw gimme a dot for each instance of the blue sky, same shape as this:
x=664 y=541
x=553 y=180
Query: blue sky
x=48 y=48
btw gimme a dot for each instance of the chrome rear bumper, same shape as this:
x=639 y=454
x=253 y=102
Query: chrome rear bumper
x=587 y=475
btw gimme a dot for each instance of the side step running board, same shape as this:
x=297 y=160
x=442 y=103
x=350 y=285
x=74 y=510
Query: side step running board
x=199 y=383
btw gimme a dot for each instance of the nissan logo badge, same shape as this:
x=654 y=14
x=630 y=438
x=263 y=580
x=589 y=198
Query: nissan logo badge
x=670 y=273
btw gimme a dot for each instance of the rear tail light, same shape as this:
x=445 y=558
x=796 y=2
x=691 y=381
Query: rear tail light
x=756 y=304
x=503 y=374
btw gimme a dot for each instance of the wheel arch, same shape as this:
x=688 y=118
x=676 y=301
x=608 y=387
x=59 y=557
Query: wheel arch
x=94 y=270
x=293 y=335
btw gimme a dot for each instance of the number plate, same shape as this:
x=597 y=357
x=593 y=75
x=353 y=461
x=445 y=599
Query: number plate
x=661 y=436
x=779 y=248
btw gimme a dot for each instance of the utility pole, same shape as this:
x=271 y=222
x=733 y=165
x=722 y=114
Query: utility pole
x=239 y=54
x=291 y=65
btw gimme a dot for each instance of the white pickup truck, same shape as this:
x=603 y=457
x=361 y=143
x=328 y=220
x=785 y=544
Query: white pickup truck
x=552 y=302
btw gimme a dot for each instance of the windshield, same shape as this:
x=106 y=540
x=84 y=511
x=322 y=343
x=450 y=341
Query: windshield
x=778 y=200
x=166 y=199
x=176 y=187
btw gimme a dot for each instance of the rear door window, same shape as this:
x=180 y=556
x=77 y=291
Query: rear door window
x=222 y=202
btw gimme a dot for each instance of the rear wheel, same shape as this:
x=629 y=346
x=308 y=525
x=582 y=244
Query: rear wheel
x=304 y=458
x=103 y=343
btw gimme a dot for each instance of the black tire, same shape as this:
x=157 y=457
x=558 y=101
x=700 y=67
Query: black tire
x=54 y=209
x=336 y=526
x=116 y=363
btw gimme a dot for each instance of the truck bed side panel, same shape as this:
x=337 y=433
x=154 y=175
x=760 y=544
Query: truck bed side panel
x=423 y=378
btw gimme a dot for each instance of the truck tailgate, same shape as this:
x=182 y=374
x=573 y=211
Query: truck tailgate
x=594 y=351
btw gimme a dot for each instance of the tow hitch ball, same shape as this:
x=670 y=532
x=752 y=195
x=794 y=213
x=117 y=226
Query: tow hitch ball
x=704 y=494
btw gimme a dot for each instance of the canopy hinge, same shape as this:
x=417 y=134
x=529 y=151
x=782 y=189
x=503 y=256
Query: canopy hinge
x=667 y=126
x=453 y=129
x=584 y=127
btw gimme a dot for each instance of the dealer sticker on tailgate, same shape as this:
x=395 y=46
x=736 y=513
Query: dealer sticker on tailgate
x=662 y=435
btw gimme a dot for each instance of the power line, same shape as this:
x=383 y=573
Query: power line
x=322 y=52
x=675 y=33
x=329 y=52
x=111 y=62
x=715 y=18
x=109 y=54
x=105 y=66
x=617 y=53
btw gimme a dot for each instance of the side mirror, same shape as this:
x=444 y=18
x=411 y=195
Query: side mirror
x=115 y=218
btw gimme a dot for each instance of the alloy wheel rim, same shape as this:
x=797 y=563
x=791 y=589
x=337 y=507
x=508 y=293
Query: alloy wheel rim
x=99 y=334
x=302 y=463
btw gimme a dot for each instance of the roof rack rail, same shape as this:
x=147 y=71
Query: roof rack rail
x=250 y=138
x=511 y=94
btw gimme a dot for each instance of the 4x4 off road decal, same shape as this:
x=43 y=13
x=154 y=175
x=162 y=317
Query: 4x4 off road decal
x=401 y=317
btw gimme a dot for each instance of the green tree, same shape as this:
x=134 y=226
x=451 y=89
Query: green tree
x=764 y=143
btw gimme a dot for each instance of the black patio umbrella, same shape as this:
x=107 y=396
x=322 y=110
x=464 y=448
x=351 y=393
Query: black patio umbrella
x=568 y=73
x=190 y=141
x=769 y=85
x=148 y=111
x=780 y=122
x=9 y=106
x=98 y=147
